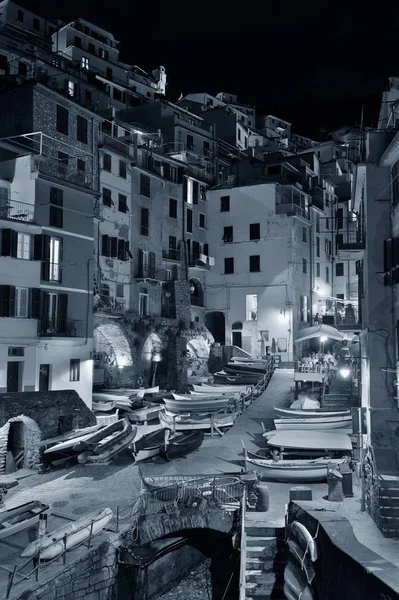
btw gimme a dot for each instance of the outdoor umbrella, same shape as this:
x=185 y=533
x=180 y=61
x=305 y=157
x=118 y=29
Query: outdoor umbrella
x=319 y=331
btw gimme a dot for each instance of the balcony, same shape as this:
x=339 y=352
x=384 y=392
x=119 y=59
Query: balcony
x=351 y=239
x=201 y=262
x=342 y=316
x=172 y=254
x=292 y=202
x=55 y=168
x=124 y=147
x=17 y=211
x=61 y=328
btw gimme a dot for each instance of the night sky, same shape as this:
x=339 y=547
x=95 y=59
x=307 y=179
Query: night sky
x=313 y=65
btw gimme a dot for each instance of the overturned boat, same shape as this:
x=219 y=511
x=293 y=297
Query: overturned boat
x=320 y=423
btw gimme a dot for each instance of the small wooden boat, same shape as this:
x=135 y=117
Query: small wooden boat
x=302 y=559
x=224 y=378
x=52 y=545
x=107 y=418
x=250 y=360
x=252 y=368
x=319 y=423
x=182 y=444
x=222 y=389
x=133 y=392
x=188 y=403
x=71 y=442
x=108 y=434
x=300 y=470
x=19 y=518
x=311 y=442
x=109 y=452
x=295 y=584
x=149 y=412
x=314 y=413
x=304 y=539
x=149 y=445
x=192 y=421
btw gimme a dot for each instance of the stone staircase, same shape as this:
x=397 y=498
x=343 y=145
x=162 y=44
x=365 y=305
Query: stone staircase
x=265 y=561
x=389 y=505
x=339 y=395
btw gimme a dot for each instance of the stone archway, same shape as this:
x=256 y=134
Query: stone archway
x=19 y=444
x=151 y=355
x=197 y=357
x=112 y=345
x=196 y=292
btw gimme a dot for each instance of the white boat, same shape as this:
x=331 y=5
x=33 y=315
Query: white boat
x=102 y=406
x=108 y=453
x=227 y=389
x=300 y=470
x=71 y=442
x=144 y=414
x=187 y=403
x=187 y=422
x=53 y=544
x=105 y=437
x=313 y=413
x=107 y=418
x=310 y=442
x=19 y=518
x=320 y=423
x=249 y=359
x=134 y=391
x=233 y=395
x=148 y=445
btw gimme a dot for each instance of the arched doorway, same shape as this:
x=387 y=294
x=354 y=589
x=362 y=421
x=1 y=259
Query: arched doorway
x=112 y=353
x=197 y=357
x=21 y=438
x=216 y=323
x=151 y=355
x=196 y=293
x=236 y=334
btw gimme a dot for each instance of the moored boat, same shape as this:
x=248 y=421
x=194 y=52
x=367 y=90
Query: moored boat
x=148 y=412
x=106 y=455
x=71 y=442
x=148 y=445
x=313 y=413
x=319 y=423
x=253 y=368
x=310 y=443
x=192 y=421
x=300 y=470
x=222 y=389
x=54 y=543
x=107 y=435
x=222 y=377
x=187 y=403
x=182 y=444
x=19 y=518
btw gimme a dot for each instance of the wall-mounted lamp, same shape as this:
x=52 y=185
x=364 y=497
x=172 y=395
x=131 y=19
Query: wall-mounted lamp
x=344 y=372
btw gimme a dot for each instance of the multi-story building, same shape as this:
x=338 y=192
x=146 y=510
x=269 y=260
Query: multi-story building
x=49 y=173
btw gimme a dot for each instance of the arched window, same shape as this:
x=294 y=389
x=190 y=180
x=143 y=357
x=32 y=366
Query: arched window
x=237 y=326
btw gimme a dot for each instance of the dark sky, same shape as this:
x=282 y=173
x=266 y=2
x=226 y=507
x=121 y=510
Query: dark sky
x=312 y=64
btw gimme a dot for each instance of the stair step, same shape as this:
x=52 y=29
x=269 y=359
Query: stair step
x=389 y=482
x=252 y=529
x=253 y=540
x=389 y=511
x=392 y=501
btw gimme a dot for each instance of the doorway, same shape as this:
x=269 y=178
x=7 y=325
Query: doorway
x=237 y=338
x=215 y=322
x=44 y=378
x=15 y=447
x=14 y=376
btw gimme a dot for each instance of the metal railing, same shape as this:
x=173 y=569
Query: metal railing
x=61 y=328
x=150 y=273
x=53 y=168
x=15 y=210
x=352 y=231
x=311 y=367
x=172 y=254
x=243 y=547
x=109 y=304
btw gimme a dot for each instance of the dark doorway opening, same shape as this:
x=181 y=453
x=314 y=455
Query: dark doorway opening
x=44 y=378
x=216 y=323
x=15 y=447
x=13 y=376
x=237 y=339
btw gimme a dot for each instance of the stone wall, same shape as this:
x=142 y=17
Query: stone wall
x=220 y=356
x=50 y=410
x=345 y=569
x=92 y=576
x=29 y=438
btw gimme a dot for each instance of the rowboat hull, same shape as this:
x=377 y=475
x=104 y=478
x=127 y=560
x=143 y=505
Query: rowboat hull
x=110 y=432
x=192 y=422
x=21 y=517
x=317 y=423
x=309 y=413
x=148 y=413
x=234 y=379
x=245 y=368
x=311 y=440
x=191 y=404
x=287 y=471
x=182 y=445
x=68 y=444
x=99 y=518
x=223 y=389
x=106 y=456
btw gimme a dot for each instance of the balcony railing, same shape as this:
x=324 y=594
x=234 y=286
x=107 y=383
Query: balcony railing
x=14 y=210
x=200 y=261
x=352 y=231
x=172 y=254
x=340 y=315
x=292 y=209
x=54 y=168
x=61 y=328
x=150 y=273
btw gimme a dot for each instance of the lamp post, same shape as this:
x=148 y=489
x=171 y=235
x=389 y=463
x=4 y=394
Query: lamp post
x=156 y=357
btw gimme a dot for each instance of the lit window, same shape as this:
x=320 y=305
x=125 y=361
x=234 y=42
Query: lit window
x=24 y=246
x=55 y=259
x=189 y=199
x=74 y=369
x=251 y=307
x=84 y=62
x=71 y=88
x=21 y=302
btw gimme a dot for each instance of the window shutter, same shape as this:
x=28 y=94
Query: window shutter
x=13 y=243
x=12 y=301
x=34 y=303
x=105 y=245
x=121 y=249
x=140 y=263
x=37 y=247
x=195 y=192
x=6 y=242
x=151 y=263
x=196 y=250
x=185 y=189
x=62 y=312
x=206 y=249
x=4 y=300
x=46 y=258
x=45 y=308
x=114 y=247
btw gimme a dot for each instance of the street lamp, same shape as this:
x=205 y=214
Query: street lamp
x=156 y=358
x=323 y=339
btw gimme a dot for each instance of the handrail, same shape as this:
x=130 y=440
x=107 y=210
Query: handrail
x=243 y=547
